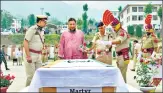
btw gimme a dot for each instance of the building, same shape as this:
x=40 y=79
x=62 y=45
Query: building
x=133 y=14
x=16 y=25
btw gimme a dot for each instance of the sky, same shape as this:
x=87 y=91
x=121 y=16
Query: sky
x=62 y=10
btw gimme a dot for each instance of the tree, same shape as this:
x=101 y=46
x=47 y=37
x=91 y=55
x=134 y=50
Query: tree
x=79 y=23
x=85 y=7
x=47 y=13
x=139 y=32
x=130 y=30
x=130 y=46
x=3 y=23
x=85 y=17
x=158 y=34
x=22 y=26
x=6 y=19
x=90 y=24
x=148 y=9
x=56 y=21
x=31 y=19
x=159 y=13
x=119 y=9
x=85 y=26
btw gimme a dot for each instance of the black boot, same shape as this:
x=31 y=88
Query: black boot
x=7 y=69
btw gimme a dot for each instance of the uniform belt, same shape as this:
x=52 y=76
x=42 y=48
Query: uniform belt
x=44 y=53
x=35 y=51
x=119 y=53
x=146 y=50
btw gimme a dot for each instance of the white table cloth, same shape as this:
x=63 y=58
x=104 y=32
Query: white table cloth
x=78 y=73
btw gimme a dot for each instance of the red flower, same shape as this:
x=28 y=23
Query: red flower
x=8 y=77
x=12 y=77
x=141 y=60
x=85 y=44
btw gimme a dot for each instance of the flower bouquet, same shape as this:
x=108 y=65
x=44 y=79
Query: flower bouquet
x=146 y=70
x=6 y=81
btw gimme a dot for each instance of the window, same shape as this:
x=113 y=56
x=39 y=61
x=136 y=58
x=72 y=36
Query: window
x=134 y=9
x=128 y=18
x=154 y=9
x=154 y=25
x=140 y=9
x=155 y=17
x=128 y=10
x=140 y=17
x=134 y=18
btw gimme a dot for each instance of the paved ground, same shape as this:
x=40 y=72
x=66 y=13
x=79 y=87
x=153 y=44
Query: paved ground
x=19 y=72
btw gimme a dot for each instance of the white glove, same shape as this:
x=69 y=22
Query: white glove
x=153 y=54
x=107 y=42
x=139 y=55
x=98 y=42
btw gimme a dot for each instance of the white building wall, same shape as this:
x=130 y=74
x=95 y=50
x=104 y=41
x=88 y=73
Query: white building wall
x=137 y=22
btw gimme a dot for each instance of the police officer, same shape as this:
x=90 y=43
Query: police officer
x=33 y=44
x=122 y=46
x=149 y=41
x=103 y=52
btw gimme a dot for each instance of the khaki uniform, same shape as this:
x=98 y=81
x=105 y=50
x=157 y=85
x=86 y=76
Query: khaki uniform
x=122 y=51
x=148 y=45
x=35 y=43
x=44 y=53
x=103 y=52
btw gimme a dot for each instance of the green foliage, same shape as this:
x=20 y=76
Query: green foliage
x=47 y=13
x=55 y=21
x=85 y=17
x=158 y=34
x=90 y=22
x=89 y=37
x=31 y=19
x=130 y=30
x=119 y=9
x=17 y=38
x=79 y=23
x=85 y=7
x=52 y=39
x=144 y=72
x=6 y=80
x=139 y=32
x=85 y=26
x=6 y=19
x=159 y=13
x=130 y=47
x=148 y=9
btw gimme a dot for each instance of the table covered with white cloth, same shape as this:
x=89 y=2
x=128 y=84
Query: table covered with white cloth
x=89 y=74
